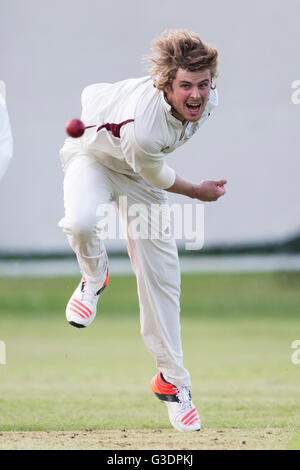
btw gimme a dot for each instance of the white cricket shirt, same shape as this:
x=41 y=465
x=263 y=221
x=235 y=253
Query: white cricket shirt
x=132 y=129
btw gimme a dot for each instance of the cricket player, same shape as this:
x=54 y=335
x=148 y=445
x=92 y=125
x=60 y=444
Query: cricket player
x=6 y=143
x=130 y=127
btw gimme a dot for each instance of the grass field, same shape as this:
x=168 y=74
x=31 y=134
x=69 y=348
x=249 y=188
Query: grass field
x=68 y=388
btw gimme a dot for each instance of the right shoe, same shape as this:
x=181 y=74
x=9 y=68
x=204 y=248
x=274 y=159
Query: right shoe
x=82 y=306
x=182 y=413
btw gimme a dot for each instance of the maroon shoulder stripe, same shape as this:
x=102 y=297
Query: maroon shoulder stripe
x=114 y=128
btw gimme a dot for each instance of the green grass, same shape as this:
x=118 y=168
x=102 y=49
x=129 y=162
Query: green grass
x=237 y=332
x=235 y=295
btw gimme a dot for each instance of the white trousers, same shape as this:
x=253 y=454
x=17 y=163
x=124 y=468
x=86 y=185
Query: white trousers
x=88 y=184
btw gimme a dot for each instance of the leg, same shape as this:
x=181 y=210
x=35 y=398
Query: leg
x=85 y=187
x=157 y=272
x=155 y=263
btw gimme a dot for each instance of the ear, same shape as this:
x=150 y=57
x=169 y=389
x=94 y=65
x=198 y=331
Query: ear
x=167 y=89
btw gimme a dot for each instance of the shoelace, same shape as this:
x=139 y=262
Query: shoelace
x=184 y=398
x=185 y=402
x=87 y=295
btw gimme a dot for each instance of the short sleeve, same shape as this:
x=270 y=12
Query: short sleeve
x=150 y=165
x=138 y=158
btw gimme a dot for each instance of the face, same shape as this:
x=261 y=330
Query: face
x=189 y=94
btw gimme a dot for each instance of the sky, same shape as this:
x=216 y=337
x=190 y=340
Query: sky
x=51 y=50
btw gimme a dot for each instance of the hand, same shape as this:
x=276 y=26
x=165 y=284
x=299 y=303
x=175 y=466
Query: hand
x=209 y=190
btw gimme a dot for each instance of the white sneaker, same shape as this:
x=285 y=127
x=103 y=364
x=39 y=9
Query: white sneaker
x=182 y=413
x=82 y=306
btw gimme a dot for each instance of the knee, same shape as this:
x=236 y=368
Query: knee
x=80 y=228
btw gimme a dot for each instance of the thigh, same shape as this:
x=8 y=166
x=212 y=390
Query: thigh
x=86 y=187
x=145 y=215
x=144 y=211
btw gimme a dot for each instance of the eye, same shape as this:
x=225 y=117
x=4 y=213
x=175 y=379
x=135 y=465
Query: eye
x=203 y=85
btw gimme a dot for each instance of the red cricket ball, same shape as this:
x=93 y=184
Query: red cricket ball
x=75 y=128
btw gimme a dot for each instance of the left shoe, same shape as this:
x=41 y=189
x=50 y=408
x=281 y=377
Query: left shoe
x=82 y=306
x=182 y=413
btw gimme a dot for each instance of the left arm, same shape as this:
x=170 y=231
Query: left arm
x=207 y=190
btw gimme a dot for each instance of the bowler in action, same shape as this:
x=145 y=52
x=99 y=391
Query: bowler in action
x=130 y=127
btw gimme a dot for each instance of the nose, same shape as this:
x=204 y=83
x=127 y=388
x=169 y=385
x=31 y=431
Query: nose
x=195 y=93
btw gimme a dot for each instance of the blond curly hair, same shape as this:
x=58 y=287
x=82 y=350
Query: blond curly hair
x=177 y=48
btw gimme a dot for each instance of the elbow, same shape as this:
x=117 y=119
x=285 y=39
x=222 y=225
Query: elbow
x=162 y=178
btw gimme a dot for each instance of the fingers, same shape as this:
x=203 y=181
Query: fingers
x=212 y=190
x=221 y=182
x=221 y=190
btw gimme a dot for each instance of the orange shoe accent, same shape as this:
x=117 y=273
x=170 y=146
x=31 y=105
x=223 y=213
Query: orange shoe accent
x=104 y=284
x=162 y=387
x=188 y=418
x=106 y=280
x=83 y=308
x=78 y=313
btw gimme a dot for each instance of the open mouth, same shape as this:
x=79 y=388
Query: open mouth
x=193 y=107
